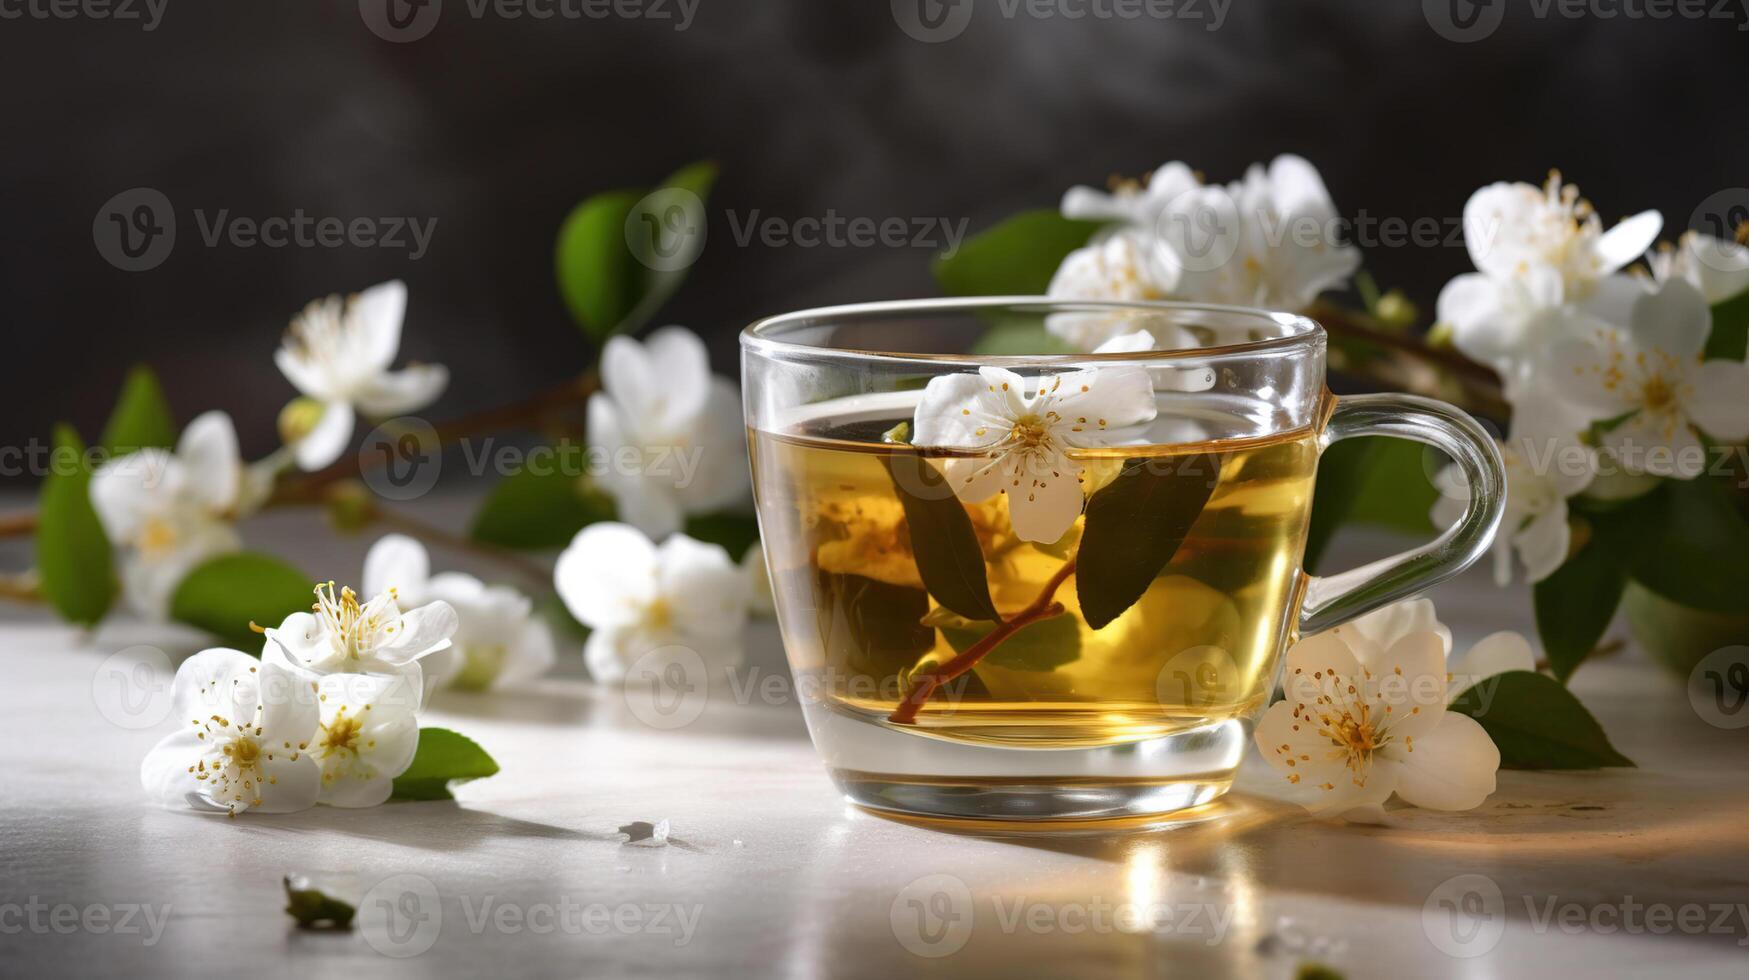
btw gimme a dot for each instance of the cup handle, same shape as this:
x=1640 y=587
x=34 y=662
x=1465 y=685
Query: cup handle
x=1335 y=599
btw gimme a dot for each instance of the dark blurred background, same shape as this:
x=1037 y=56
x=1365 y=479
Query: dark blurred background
x=495 y=125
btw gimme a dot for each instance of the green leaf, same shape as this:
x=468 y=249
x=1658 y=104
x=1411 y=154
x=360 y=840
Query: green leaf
x=225 y=594
x=607 y=287
x=1575 y=605
x=1372 y=480
x=539 y=508
x=1342 y=472
x=1134 y=526
x=598 y=276
x=73 y=557
x=1020 y=337
x=1039 y=647
x=1685 y=541
x=1730 y=336
x=1537 y=724
x=868 y=628
x=314 y=908
x=736 y=532
x=443 y=757
x=141 y=418
x=942 y=538
x=1015 y=258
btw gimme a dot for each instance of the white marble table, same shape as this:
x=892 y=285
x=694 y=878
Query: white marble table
x=768 y=872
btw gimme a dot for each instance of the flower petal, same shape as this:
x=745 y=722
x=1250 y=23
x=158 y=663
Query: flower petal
x=292 y=783
x=1494 y=654
x=1109 y=398
x=326 y=442
x=1543 y=541
x=375 y=317
x=1408 y=686
x=710 y=470
x=1046 y=502
x=530 y=656
x=607 y=575
x=1628 y=240
x=681 y=368
x=423 y=630
x=1451 y=768
x=390 y=393
x=127 y=490
x=208 y=452
x=705 y=591
x=303 y=641
x=308 y=377
x=1385 y=626
x=1674 y=319
x=960 y=411
x=397 y=562
x=218 y=681
x=164 y=772
x=1720 y=404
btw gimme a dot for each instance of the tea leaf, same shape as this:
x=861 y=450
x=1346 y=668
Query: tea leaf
x=72 y=552
x=1133 y=528
x=1574 y=606
x=1537 y=724
x=1015 y=258
x=443 y=757
x=942 y=539
x=314 y=908
x=871 y=628
x=1040 y=647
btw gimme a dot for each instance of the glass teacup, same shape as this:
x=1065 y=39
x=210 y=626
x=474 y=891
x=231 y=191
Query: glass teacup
x=1023 y=585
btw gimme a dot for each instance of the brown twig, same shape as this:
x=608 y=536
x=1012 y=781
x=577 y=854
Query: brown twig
x=1043 y=607
x=18 y=525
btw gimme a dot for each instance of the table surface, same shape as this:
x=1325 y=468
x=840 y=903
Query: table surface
x=768 y=871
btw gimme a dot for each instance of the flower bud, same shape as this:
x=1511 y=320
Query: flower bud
x=1395 y=312
x=299 y=418
x=350 y=505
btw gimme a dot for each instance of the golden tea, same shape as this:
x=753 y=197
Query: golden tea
x=1176 y=624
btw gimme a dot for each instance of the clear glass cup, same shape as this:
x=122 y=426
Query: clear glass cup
x=1043 y=588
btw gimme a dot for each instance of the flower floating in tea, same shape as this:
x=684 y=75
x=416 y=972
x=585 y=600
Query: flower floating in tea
x=1021 y=431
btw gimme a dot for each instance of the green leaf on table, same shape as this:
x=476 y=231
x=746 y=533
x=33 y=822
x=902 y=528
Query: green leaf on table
x=607 y=286
x=1730 y=336
x=141 y=418
x=443 y=758
x=943 y=541
x=1537 y=724
x=1015 y=258
x=1685 y=540
x=73 y=557
x=225 y=594
x=538 y=508
x=1039 y=647
x=314 y=908
x=1134 y=526
x=1575 y=605
x=735 y=531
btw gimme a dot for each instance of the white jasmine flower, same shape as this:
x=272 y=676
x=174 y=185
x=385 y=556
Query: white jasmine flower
x=759 y=595
x=1371 y=635
x=1024 y=430
x=1650 y=383
x=345 y=636
x=171 y=511
x=243 y=744
x=366 y=736
x=1493 y=655
x=1351 y=733
x=1136 y=204
x=338 y=352
x=672 y=432
x=1535 y=250
x=1121 y=267
x=498 y=641
x=1719 y=269
x=1190 y=379
x=637 y=597
x=1269 y=240
x=1546 y=463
